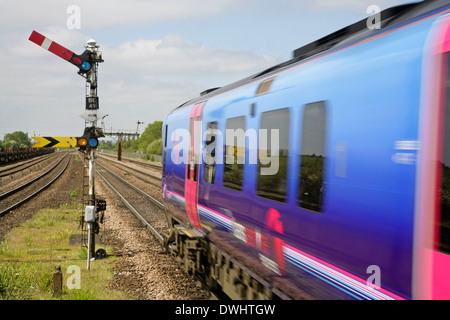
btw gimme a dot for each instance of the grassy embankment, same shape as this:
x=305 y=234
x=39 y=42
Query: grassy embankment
x=30 y=253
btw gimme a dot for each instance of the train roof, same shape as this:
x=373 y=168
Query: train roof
x=349 y=35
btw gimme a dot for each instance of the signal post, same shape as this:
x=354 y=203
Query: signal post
x=89 y=141
x=87 y=64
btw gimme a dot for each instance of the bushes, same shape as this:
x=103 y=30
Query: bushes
x=149 y=143
x=154 y=148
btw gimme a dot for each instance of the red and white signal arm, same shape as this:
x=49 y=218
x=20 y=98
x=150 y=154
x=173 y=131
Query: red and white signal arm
x=81 y=61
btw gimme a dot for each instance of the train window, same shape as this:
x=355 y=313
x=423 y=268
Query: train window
x=234 y=154
x=273 y=155
x=209 y=172
x=165 y=136
x=312 y=155
x=165 y=152
x=444 y=243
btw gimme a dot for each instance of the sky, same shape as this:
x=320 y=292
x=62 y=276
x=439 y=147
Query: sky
x=157 y=54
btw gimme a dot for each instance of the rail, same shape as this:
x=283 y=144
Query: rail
x=130 y=206
x=22 y=166
x=9 y=193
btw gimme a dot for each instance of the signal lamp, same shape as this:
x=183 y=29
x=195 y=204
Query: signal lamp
x=82 y=142
x=86 y=66
x=93 y=142
x=83 y=61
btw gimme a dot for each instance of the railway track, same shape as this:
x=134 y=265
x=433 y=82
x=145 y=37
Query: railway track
x=125 y=160
x=152 y=176
x=144 y=206
x=13 y=169
x=147 y=208
x=21 y=194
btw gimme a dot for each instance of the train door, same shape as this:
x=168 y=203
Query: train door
x=432 y=246
x=193 y=163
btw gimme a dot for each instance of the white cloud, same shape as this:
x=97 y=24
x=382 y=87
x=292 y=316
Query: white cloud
x=139 y=80
x=109 y=13
x=357 y=6
x=119 y=12
x=323 y=10
x=154 y=76
x=173 y=57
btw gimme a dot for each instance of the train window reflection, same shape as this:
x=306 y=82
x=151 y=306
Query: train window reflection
x=209 y=173
x=234 y=154
x=312 y=156
x=272 y=183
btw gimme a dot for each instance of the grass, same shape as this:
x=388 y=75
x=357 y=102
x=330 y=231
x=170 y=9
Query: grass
x=30 y=253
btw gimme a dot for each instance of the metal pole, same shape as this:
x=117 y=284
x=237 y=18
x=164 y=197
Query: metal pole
x=91 y=79
x=89 y=246
x=91 y=201
x=119 y=148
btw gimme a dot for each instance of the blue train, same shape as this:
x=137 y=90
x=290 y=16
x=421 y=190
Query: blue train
x=324 y=177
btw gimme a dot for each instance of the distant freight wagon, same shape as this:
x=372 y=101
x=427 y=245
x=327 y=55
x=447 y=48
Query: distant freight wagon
x=15 y=154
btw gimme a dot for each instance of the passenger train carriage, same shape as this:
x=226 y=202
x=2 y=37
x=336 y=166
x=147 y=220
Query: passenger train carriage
x=324 y=177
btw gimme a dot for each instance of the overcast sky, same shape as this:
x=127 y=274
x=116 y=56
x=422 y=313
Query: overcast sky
x=157 y=53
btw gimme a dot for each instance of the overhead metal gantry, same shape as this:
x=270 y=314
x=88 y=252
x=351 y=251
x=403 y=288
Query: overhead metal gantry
x=120 y=134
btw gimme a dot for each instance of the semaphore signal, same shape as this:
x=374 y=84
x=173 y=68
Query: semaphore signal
x=87 y=64
x=83 y=62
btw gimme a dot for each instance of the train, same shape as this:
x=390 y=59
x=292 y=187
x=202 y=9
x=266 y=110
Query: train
x=16 y=154
x=326 y=176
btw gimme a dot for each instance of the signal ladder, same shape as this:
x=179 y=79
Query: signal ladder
x=100 y=207
x=85 y=201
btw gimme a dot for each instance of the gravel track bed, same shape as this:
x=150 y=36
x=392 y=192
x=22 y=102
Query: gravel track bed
x=154 y=215
x=15 y=168
x=145 y=168
x=139 y=180
x=53 y=197
x=12 y=181
x=30 y=189
x=143 y=267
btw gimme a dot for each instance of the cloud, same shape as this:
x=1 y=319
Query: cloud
x=141 y=80
x=173 y=57
x=118 y=12
x=356 y=6
x=324 y=9
x=101 y=14
x=154 y=76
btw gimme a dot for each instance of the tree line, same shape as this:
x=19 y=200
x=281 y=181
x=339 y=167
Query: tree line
x=149 y=143
x=17 y=139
